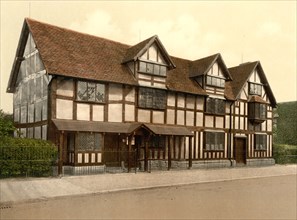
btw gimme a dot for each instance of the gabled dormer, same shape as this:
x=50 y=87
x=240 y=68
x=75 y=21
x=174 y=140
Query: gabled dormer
x=149 y=62
x=210 y=73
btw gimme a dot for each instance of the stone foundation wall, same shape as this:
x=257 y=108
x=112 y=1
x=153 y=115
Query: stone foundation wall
x=260 y=162
x=204 y=164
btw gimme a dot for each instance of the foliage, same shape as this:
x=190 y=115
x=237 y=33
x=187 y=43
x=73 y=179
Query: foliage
x=286 y=130
x=6 y=124
x=284 y=154
x=26 y=157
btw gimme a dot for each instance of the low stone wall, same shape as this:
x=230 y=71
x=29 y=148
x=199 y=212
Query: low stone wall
x=83 y=170
x=204 y=164
x=260 y=162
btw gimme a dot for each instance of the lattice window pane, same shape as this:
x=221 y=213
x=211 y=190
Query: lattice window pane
x=100 y=93
x=82 y=91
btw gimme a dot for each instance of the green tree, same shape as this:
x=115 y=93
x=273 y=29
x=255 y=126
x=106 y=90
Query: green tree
x=6 y=124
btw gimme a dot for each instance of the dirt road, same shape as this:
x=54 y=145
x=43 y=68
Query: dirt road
x=259 y=198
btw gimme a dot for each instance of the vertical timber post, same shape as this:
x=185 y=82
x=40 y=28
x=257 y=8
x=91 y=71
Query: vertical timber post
x=60 y=162
x=190 y=152
x=129 y=153
x=169 y=151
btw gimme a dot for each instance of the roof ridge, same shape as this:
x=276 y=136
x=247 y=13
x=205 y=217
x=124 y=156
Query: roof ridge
x=71 y=30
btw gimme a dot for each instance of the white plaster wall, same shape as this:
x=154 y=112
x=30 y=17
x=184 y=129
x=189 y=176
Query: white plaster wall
x=131 y=95
x=269 y=125
x=170 y=116
x=263 y=126
x=129 y=113
x=242 y=123
x=144 y=115
x=180 y=117
x=242 y=107
x=236 y=122
x=190 y=118
x=144 y=83
x=159 y=85
x=115 y=113
x=199 y=119
x=219 y=122
x=144 y=76
x=227 y=121
x=98 y=113
x=209 y=121
x=171 y=99
x=83 y=112
x=115 y=92
x=181 y=101
x=158 y=117
x=65 y=87
x=200 y=103
x=190 y=102
x=64 y=109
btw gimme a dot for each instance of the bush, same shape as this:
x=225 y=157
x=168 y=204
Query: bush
x=26 y=157
x=285 y=154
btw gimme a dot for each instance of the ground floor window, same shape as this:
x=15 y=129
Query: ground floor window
x=260 y=142
x=214 y=141
x=89 y=142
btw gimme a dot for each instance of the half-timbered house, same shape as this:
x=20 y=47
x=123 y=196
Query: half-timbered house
x=107 y=104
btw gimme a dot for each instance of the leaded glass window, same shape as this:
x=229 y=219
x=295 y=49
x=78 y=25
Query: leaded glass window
x=214 y=141
x=157 y=141
x=255 y=89
x=257 y=111
x=152 y=98
x=89 y=142
x=152 y=68
x=89 y=91
x=260 y=142
x=215 y=81
x=215 y=106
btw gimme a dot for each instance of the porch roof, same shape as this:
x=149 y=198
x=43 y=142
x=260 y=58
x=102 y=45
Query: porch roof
x=115 y=127
x=169 y=130
x=95 y=126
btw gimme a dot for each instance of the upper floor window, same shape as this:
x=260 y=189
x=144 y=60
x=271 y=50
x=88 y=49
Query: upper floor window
x=215 y=106
x=90 y=91
x=257 y=112
x=215 y=81
x=152 y=68
x=260 y=142
x=152 y=98
x=214 y=141
x=255 y=89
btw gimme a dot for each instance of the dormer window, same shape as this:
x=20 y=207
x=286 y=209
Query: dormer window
x=215 y=81
x=255 y=89
x=152 y=68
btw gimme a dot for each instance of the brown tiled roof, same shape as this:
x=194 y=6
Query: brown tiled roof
x=132 y=52
x=178 y=78
x=202 y=66
x=256 y=98
x=70 y=53
x=241 y=74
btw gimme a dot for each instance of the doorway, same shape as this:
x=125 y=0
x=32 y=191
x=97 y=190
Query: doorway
x=240 y=151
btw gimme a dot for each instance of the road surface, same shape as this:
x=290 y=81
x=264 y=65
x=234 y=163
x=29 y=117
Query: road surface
x=259 y=198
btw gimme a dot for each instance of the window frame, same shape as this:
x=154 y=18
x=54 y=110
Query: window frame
x=258 y=140
x=162 y=68
x=217 y=140
x=215 y=103
x=211 y=78
x=155 y=95
x=254 y=92
x=87 y=87
x=257 y=112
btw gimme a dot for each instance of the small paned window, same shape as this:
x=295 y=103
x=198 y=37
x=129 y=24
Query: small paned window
x=152 y=98
x=89 y=142
x=255 y=89
x=215 y=81
x=152 y=68
x=92 y=92
x=214 y=141
x=257 y=111
x=260 y=142
x=215 y=106
x=157 y=141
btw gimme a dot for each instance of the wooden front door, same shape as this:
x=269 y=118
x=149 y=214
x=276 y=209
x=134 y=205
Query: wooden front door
x=240 y=150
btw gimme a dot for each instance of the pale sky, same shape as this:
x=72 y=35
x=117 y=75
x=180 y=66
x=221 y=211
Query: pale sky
x=239 y=30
